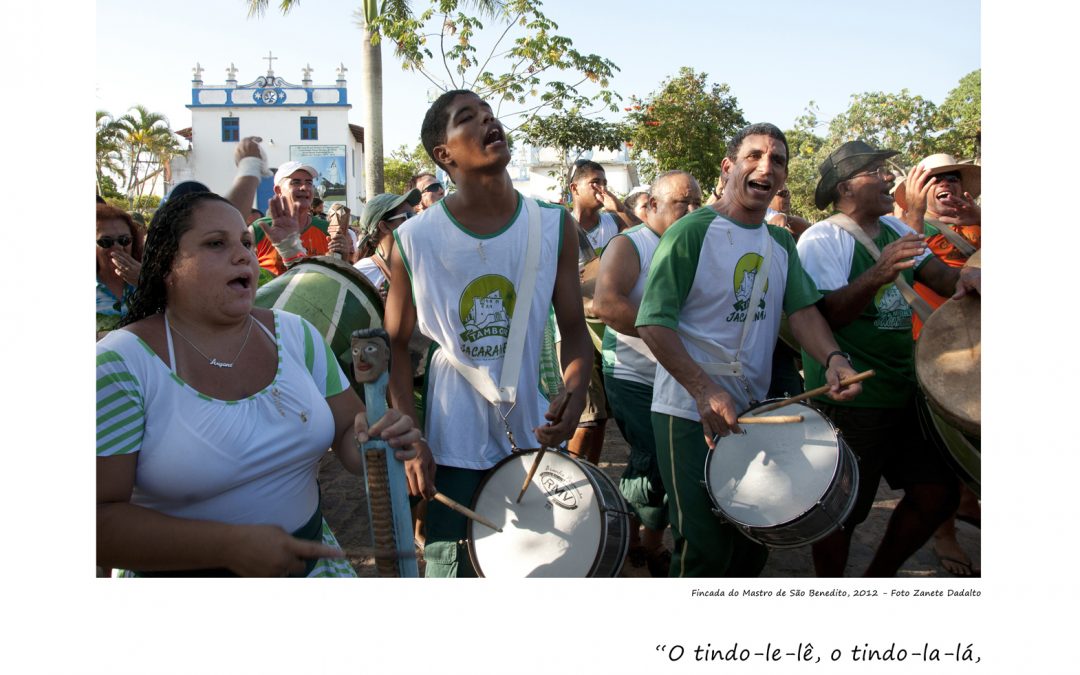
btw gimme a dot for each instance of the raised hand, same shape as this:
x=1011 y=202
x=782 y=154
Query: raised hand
x=285 y=219
x=127 y=268
x=962 y=210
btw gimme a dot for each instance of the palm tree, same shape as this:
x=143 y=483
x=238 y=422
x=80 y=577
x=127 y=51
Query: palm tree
x=107 y=154
x=147 y=143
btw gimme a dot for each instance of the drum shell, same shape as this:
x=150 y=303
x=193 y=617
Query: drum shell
x=826 y=511
x=333 y=296
x=614 y=538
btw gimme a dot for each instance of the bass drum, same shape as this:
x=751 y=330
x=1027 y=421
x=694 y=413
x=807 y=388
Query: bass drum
x=333 y=296
x=571 y=521
x=783 y=485
x=948 y=366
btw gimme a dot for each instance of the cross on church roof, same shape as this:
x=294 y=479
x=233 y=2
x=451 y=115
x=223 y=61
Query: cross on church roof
x=270 y=60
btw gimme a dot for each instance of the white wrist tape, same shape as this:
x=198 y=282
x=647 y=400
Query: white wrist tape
x=252 y=166
x=290 y=247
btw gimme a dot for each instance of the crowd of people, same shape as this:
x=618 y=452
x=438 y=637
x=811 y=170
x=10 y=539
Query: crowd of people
x=702 y=307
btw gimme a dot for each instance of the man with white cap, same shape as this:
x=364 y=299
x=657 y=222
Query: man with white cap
x=290 y=232
x=864 y=262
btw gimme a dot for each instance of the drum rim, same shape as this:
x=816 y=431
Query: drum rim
x=836 y=469
x=469 y=539
x=341 y=266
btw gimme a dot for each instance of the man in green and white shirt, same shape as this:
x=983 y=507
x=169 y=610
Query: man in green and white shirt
x=696 y=299
x=865 y=305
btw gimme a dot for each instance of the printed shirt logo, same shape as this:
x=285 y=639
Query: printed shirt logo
x=893 y=312
x=743 y=282
x=485 y=308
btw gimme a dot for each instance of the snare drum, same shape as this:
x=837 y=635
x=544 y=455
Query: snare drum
x=783 y=485
x=571 y=521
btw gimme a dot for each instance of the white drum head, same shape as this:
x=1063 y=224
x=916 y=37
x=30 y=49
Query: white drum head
x=773 y=473
x=555 y=531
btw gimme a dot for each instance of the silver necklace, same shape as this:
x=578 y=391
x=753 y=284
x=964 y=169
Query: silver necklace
x=213 y=361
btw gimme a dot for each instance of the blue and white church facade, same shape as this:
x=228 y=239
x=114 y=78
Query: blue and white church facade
x=306 y=122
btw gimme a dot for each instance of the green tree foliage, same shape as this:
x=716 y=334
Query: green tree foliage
x=571 y=133
x=961 y=114
x=403 y=164
x=684 y=125
x=912 y=125
x=108 y=154
x=518 y=61
x=133 y=152
x=898 y=121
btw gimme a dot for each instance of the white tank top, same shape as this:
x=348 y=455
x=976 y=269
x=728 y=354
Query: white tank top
x=465 y=289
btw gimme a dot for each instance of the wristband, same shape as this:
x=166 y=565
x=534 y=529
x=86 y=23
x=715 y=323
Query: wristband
x=847 y=357
x=251 y=166
x=290 y=247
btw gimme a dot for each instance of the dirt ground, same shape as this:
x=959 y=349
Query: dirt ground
x=345 y=508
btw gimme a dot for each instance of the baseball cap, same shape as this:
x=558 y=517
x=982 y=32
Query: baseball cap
x=289 y=168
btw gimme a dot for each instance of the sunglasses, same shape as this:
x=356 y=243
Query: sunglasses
x=434 y=187
x=401 y=216
x=107 y=242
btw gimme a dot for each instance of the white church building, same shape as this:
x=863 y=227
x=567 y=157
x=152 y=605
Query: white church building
x=307 y=122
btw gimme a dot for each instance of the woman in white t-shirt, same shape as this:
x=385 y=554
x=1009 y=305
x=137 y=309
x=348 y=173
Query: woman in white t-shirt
x=212 y=415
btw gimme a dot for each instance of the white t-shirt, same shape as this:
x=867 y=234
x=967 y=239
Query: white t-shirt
x=252 y=461
x=700 y=284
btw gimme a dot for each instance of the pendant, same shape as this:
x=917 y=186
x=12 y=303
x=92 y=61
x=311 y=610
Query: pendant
x=275 y=395
x=219 y=364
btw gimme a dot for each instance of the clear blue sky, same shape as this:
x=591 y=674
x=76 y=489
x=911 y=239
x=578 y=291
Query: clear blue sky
x=776 y=56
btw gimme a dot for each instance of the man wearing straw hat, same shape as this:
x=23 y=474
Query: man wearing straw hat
x=710 y=313
x=941 y=204
x=864 y=263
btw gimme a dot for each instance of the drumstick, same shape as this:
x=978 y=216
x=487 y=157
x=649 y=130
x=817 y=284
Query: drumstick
x=778 y=419
x=867 y=374
x=540 y=452
x=468 y=513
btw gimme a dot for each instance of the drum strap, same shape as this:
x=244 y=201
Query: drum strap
x=918 y=305
x=479 y=378
x=962 y=245
x=728 y=364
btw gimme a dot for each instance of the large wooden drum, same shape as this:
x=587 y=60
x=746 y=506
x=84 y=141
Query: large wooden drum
x=332 y=295
x=948 y=365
